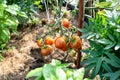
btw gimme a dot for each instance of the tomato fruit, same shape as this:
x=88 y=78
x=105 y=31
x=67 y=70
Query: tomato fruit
x=39 y=42
x=65 y=23
x=75 y=42
x=49 y=41
x=60 y=43
x=47 y=50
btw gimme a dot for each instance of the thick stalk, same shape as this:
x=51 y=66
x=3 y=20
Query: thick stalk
x=80 y=25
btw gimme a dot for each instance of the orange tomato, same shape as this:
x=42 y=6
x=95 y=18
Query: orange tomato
x=75 y=42
x=49 y=41
x=65 y=23
x=46 y=50
x=39 y=42
x=60 y=43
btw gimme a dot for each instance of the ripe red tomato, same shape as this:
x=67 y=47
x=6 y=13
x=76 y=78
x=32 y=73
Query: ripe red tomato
x=65 y=23
x=49 y=41
x=60 y=43
x=75 y=42
x=46 y=50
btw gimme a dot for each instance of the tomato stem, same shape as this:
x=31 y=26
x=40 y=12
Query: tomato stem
x=59 y=15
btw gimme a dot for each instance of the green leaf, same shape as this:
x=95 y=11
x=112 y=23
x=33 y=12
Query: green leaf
x=60 y=74
x=89 y=61
x=115 y=75
x=112 y=62
x=117 y=46
x=79 y=74
x=103 y=4
x=22 y=14
x=55 y=62
x=69 y=74
x=49 y=72
x=113 y=57
x=111 y=37
x=106 y=67
x=85 y=35
x=4 y=35
x=40 y=78
x=36 y=72
x=110 y=46
x=107 y=74
x=104 y=41
x=12 y=9
x=87 y=79
x=1 y=10
x=98 y=66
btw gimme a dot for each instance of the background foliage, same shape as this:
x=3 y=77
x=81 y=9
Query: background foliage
x=103 y=34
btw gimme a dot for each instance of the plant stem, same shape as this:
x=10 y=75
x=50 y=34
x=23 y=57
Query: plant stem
x=59 y=15
x=80 y=25
x=47 y=11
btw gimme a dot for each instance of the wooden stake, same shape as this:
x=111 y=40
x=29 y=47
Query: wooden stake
x=80 y=25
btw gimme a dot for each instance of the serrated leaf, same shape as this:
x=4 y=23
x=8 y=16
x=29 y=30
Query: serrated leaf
x=117 y=46
x=115 y=75
x=36 y=72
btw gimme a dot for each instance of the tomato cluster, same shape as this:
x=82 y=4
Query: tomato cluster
x=61 y=43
